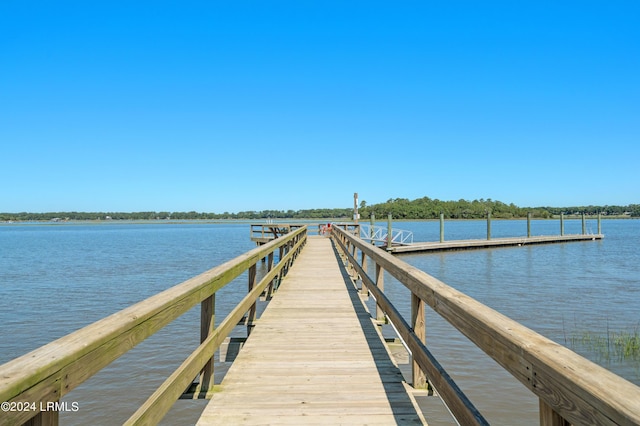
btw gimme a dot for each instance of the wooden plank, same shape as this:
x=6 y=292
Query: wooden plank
x=314 y=357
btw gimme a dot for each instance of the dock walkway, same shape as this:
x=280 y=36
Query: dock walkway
x=313 y=359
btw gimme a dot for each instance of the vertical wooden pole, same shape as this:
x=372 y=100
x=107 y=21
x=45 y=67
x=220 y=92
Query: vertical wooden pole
x=488 y=225
x=347 y=246
x=356 y=215
x=363 y=262
x=584 y=225
x=548 y=417
x=278 y=278
x=44 y=418
x=529 y=225
x=419 y=328
x=441 y=227
x=373 y=224
x=389 y=232
x=251 y=315
x=599 y=223
x=269 y=268
x=207 y=326
x=380 y=284
x=354 y=254
x=561 y=223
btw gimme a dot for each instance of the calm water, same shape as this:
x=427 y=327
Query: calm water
x=56 y=278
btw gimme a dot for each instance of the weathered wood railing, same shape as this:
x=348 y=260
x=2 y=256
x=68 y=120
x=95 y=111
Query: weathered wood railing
x=265 y=232
x=51 y=371
x=570 y=388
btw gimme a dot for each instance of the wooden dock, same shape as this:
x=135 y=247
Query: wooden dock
x=314 y=357
x=436 y=246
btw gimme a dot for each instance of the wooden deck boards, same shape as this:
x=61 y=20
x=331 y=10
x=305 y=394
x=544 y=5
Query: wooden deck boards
x=314 y=357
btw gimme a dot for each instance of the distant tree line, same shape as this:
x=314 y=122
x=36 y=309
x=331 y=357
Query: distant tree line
x=427 y=208
x=632 y=210
x=399 y=208
x=192 y=215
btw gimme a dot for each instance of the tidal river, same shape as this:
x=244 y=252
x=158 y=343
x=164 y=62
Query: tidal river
x=56 y=278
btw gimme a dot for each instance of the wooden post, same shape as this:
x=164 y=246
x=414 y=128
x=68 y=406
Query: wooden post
x=441 y=227
x=44 y=418
x=488 y=225
x=352 y=269
x=599 y=223
x=356 y=215
x=389 y=231
x=529 y=225
x=354 y=252
x=380 y=284
x=561 y=223
x=269 y=267
x=584 y=225
x=548 y=417
x=418 y=325
x=373 y=224
x=363 y=262
x=278 y=278
x=251 y=315
x=207 y=326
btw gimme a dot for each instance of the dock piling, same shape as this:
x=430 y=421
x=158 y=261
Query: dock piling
x=373 y=224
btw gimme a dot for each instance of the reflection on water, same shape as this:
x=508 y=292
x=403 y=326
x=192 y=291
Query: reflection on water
x=56 y=279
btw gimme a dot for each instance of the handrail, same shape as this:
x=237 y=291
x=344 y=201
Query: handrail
x=51 y=371
x=460 y=406
x=570 y=388
x=269 y=231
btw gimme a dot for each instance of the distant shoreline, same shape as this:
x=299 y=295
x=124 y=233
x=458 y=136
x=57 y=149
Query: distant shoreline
x=284 y=220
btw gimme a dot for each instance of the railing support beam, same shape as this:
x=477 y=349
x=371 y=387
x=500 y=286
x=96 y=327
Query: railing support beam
x=44 y=418
x=548 y=417
x=207 y=325
x=363 y=261
x=419 y=328
x=251 y=315
x=380 y=284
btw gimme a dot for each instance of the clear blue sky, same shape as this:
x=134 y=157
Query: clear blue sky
x=250 y=105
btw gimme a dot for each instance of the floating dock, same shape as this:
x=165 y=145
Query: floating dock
x=437 y=246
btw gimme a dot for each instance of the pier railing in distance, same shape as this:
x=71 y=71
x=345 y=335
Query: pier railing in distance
x=570 y=388
x=264 y=232
x=46 y=374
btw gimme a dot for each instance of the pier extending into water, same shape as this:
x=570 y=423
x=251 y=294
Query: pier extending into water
x=315 y=356
x=314 y=310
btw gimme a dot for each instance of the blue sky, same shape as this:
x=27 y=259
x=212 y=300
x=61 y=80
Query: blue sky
x=250 y=105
